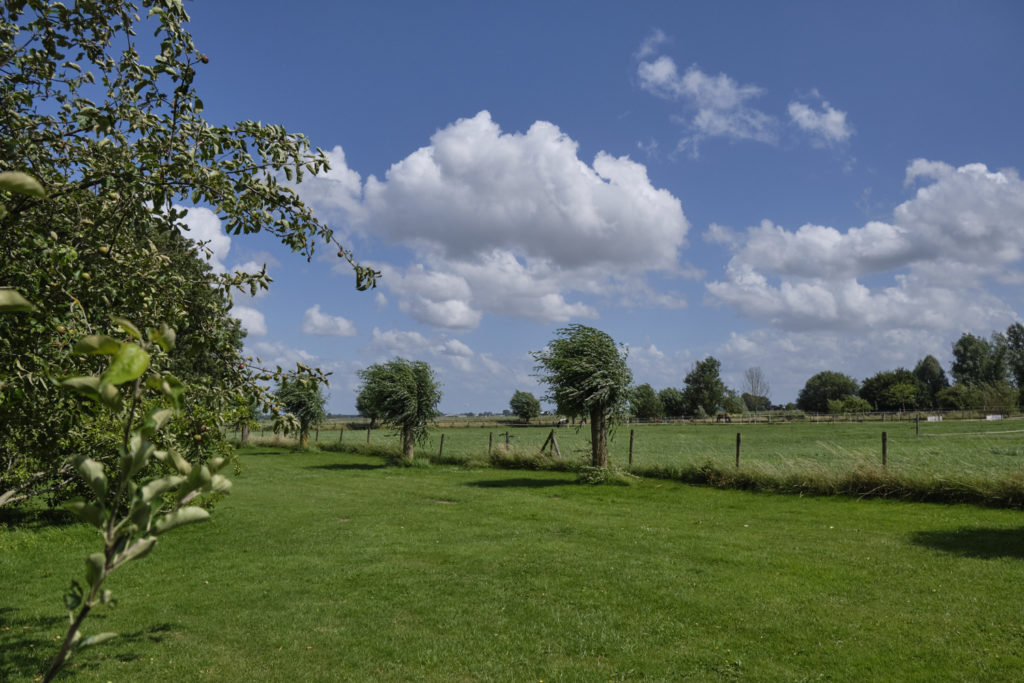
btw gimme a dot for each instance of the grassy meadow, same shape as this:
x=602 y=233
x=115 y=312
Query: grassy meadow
x=331 y=566
x=963 y=460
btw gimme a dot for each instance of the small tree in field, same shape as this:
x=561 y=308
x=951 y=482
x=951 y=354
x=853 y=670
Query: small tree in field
x=525 y=405
x=587 y=375
x=403 y=394
x=704 y=390
x=301 y=396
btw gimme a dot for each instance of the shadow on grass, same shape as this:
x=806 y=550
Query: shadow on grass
x=250 y=451
x=519 y=482
x=347 y=466
x=35 y=518
x=981 y=543
x=29 y=644
x=25 y=648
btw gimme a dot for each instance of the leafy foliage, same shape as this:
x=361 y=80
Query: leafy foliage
x=931 y=379
x=524 y=405
x=149 y=490
x=673 y=401
x=824 y=387
x=645 y=404
x=118 y=148
x=302 y=397
x=586 y=374
x=978 y=361
x=704 y=390
x=998 y=397
x=366 y=408
x=756 y=403
x=733 y=402
x=404 y=394
x=848 y=404
x=890 y=390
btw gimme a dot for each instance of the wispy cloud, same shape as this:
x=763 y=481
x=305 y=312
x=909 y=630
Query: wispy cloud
x=826 y=127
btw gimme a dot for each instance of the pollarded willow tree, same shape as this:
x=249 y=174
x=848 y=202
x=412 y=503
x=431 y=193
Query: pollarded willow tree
x=302 y=397
x=98 y=102
x=587 y=374
x=402 y=394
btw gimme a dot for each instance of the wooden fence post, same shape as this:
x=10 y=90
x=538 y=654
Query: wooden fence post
x=885 y=451
x=341 y=435
x=917 y=425
x=316 y=438
x=631 y=432
x=440 y=452
x=737 y=450
x=367 y=436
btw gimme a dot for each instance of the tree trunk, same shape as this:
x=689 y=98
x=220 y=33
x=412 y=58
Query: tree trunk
x=599 y=438
x=303 y=437
x=408 y=444
x=244 y=438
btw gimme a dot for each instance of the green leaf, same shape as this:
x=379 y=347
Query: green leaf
x=93 y=474
x=155 y=421
x=141 y=513
x=165 y=336
x=97 y=344
x=94 y=566
x=11 y=301
x=199 y=479
x=88 y=512
x=185 y=515
x=169 y=385
x=173 y=389
x=96 y=640
x=128 y=364
x=137 y=455
x=220 y=484
x=87 y=386
x=183 y=466
x=158 y=487
x=128 y=327
x=73 y=598
x=137 y=550
x=110 y=396
x=21 y=183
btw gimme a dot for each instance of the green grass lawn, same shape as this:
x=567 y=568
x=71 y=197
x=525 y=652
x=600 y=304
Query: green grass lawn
x=330 y=567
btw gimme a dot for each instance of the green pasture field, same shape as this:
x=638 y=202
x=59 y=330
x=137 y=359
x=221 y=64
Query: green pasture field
x=948 y=450
x=332 y=566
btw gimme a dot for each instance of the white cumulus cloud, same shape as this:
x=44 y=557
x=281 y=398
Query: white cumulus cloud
x=926 y=269
x=252 y=320
x=204 y=228
x=316 y=322
x=513 y=223
x=398 y=342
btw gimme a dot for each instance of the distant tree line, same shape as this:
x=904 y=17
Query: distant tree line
x=986 y=374
x=703 y=393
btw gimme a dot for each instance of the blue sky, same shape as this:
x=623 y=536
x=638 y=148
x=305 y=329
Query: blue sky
x=797 y=186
